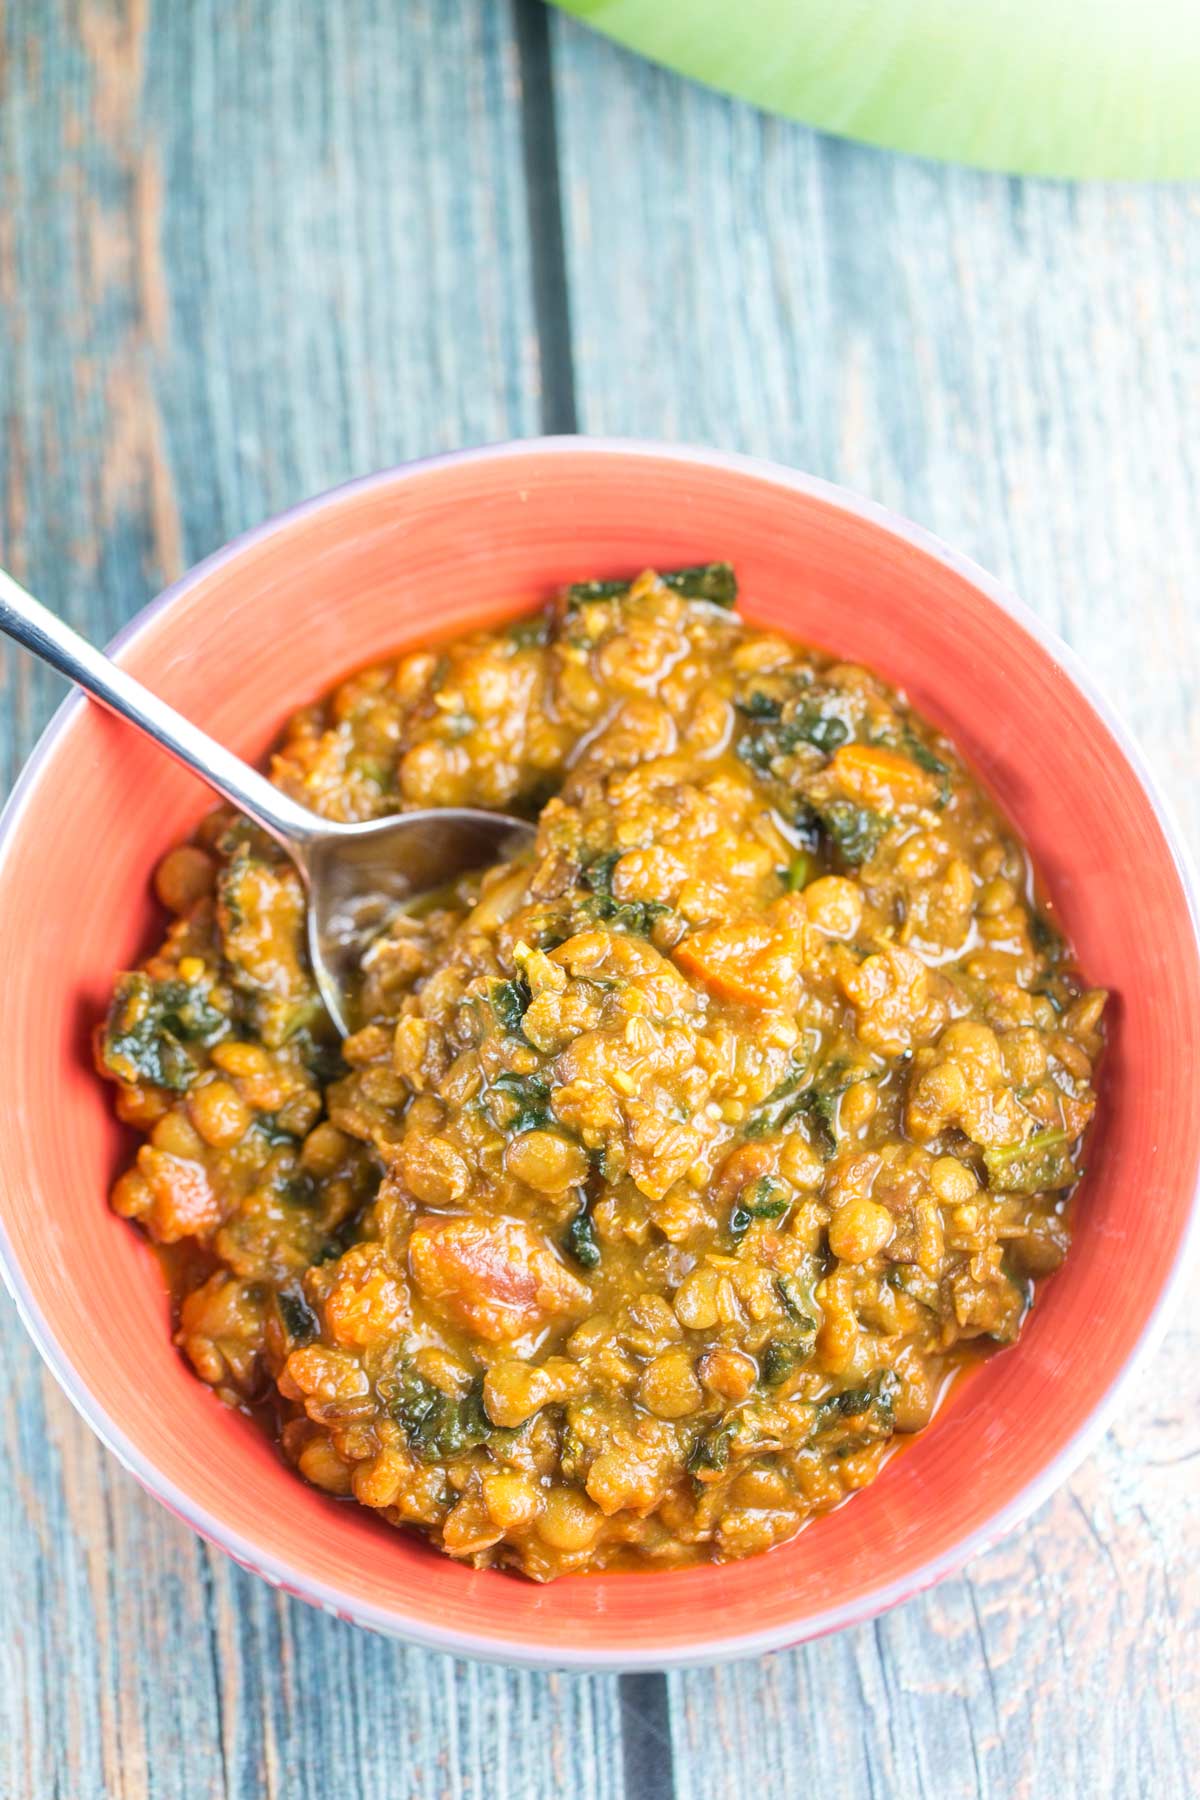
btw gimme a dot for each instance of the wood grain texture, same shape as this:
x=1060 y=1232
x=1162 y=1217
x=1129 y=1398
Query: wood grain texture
x=250 y=248
x=1016 y=365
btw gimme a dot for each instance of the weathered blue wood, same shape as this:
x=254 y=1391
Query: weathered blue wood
x=1017 y=365
x=249 y=248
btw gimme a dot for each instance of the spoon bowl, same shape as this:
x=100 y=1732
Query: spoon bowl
x=356 y=877
x=359 y=877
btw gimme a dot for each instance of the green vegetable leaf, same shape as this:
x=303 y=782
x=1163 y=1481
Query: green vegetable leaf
x=783 y=1356
x=763 y=1199
x=582 y=593
x=1039 y=1165
x=859 y=1415
x=275 y=1133
x=855 y=831
x=773 y=1113
x=770 y=736
x=921 y=754
x=581 y=1240
x=529 y=632
x=820 y=1107
x=597 y=875
x=757 y=705
x=634 y=917
x=299 y=1319
x=797 y=1298
x=529 y=1096
x=710 y=1453
x=437 y=1425
x=509 y=1001
x=149 y=1024
x=1047 y=941
x=714 y=582
x=800 y=872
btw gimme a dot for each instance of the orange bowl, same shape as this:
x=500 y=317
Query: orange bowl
x=434 y=548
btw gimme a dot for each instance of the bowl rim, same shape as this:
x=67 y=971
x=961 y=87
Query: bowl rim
x=495 y=1646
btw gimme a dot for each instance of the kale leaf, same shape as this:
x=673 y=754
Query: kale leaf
x=1039 y=1165
x=510 y=1001
x=866 y=1412
x=710 y=1452
x=439 y=1425
x=763 y=1199
x=714 y=582
x=634 y=917
x=149 y=1024
x=854 y=830
x=299 y=1319
x=783 y=1356
x=530 y=1098
x=581 y=1240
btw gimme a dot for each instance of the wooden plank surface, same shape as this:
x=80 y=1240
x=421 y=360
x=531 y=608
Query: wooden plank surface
x=248 y=249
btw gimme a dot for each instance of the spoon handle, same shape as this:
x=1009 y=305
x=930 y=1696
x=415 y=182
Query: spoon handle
x=41 y=631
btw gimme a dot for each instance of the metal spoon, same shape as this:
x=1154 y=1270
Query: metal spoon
x=355 y=876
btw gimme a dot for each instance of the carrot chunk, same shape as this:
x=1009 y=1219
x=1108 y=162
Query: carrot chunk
x=882 y=779
x=495 y=1277
x=759 y=962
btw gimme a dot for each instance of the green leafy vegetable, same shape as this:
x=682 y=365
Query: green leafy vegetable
x=582 y=593
x=919 y=752
x=757 y=705
x=297 y=1189
x=770 y=737
x=378 y=771
x=510 y=1000
x=820 y=1107
x=800 y=872
x=597 y=875
x=261 y=916
x=867 y=1412
x=275 y=1133
x=714 y=582
x=338 y=1241
x=767 y=1199
x=635 y=917
x=710 y=1453
x=529 y=632
x=797 y=1298
x=1047 y=941
x=818 y=1103
x=529 y=1096
x=854 y=830
x=764 y=1199
x=149 y=1024
x=773 y=1113
x=581 y=1240
x=783 y=1356
x=1040 y=1164
x=912 y=1280
x=299 y=1319
x=439 y=1425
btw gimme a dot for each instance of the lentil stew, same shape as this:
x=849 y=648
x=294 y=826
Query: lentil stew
x=673 y=1168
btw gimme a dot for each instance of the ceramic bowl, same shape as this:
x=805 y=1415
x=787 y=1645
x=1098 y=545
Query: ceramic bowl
x=407 y=556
